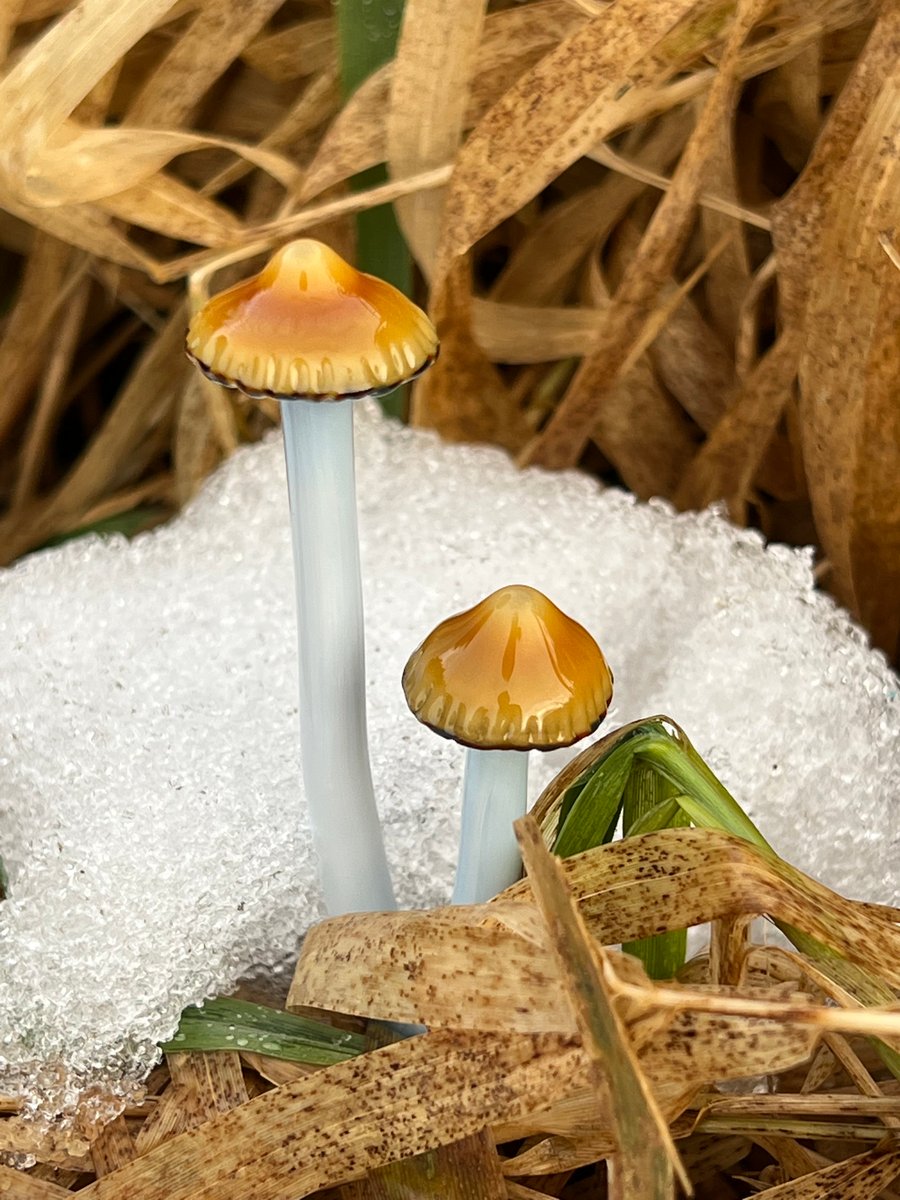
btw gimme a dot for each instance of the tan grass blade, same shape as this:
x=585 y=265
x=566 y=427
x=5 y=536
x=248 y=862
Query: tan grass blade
x=727 y=278
x=40 y=296
x=218 y=33
x=319 y=101
x=560 y=104
x=169 y=206
x=463 y=395
x=307 y=47
x=633 y=306
x=84 y=226
x=17 y=1185
x=47 y=159
x=466 y=1170
x=615 y=883
x=851 y=357
x=728 y=463
x=640 y=429
x=143 y=405
x=112 y=1148
x=692 y=362
x=358 y=136
x=862 y=1177
x=436 y=56
x=50 y=395
x=334 y=1126
x=445 y=969
x=542 y=266
x=647 y=1162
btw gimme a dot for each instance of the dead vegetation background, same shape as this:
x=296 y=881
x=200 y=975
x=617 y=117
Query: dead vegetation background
x=552 y=1066
x=659 y=239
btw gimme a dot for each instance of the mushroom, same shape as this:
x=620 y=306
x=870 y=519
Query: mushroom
x=315 y=334
x=514 y=673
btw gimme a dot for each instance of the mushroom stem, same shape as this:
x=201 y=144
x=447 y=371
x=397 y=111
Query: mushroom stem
x=318 y=444
x=495 y=793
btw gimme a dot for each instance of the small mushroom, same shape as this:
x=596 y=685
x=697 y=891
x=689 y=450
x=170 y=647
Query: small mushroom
x=512 y=674
x=309 y=329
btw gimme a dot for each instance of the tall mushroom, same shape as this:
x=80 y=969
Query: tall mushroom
x=315 y=334
x=512 y=674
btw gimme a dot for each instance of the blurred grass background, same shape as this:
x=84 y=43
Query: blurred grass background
x=659 y=239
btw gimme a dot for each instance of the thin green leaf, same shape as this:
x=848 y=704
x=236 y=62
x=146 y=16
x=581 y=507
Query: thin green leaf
x=226 y=1024
x=662 y=816
x=368 y=38
x=713 y=806
x=592 y=817
x=649 y=796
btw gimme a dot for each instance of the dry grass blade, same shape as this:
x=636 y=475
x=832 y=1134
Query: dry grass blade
x=157 y=379
x=564 y=437
x=848 y=367
x=561 y=103
x=26 y=326
x=216 y=36
x=724 y=469
x=463 y=394
x=112 y=1148
x=430 y=82
x=860 y=1178
x=332 y=1127
x=614 y=884
x=646 y=1161
x=50 y=160
x=17 y=1186
x=358 y=137
x=303 y=48
x=348 y=965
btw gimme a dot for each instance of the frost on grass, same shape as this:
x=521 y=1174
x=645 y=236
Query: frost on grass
x=151 y=814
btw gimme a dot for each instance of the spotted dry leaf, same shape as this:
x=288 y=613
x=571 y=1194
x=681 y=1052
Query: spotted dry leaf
x=334 y=1126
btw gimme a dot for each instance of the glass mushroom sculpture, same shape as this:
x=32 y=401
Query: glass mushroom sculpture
x=512 y=674
x=316 y=334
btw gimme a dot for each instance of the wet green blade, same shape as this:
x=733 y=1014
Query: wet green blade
x=713 y=805
x=594 y=811
x=591 y=804
x=238 y=1025
x=649 y=800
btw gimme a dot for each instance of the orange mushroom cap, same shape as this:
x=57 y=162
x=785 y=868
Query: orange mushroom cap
x=512 y=673
x=311 y=327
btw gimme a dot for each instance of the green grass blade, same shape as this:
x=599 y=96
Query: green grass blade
x=662 y=747
x=649 y=799
x=367 y=36
x=594 y=812
x=591 y=805
x=712 y=804
x=226 y=1024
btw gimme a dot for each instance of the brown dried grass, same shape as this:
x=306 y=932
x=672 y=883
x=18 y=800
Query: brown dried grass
x=552 y=1066
x=659 y=240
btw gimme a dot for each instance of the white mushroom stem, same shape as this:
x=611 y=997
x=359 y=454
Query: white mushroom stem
x=495 y=793
x=318 y=443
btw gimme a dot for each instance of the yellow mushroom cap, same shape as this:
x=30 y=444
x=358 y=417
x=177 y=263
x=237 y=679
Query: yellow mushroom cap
x=512 y=673
x=309 y=326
